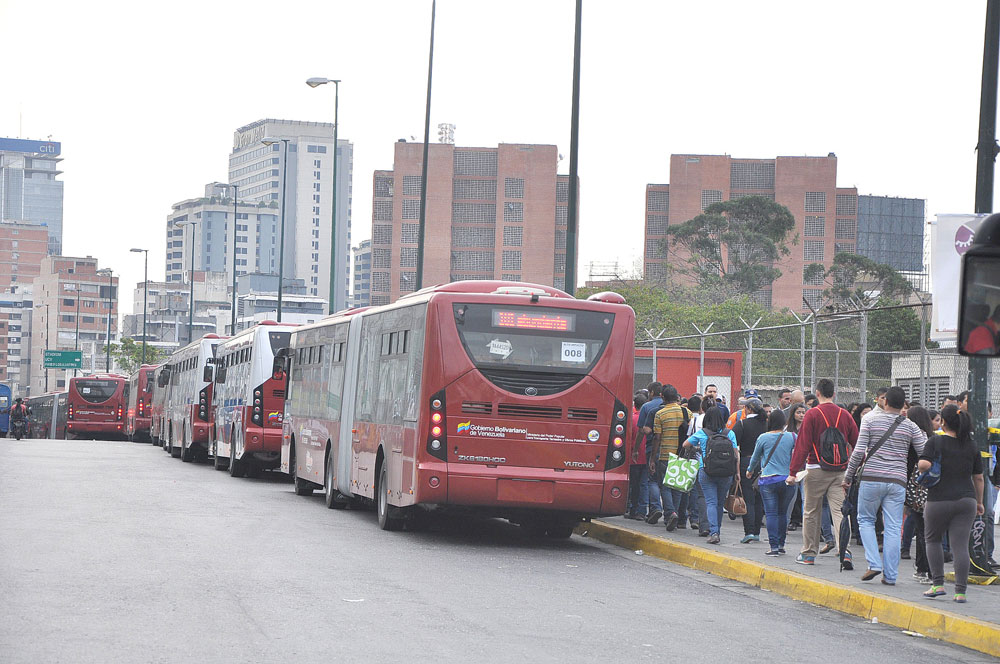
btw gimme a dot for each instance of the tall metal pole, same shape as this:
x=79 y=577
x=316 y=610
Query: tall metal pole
x=569 y=280
x=281 y=242
x=107 y=352
x=145 y=300
x=48 y=335
x=701 y=355
x=191 y=294
x=76 y=338
x=836 y=368
x=986 y=151
x=421 y=227
x=923 y=354
x=863 y=356
x=334 y=273
x=236 y=194
x=813 y=368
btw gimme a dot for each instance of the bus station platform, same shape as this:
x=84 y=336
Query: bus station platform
x=974 y=625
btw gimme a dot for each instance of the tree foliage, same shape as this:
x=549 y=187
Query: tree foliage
x=128 y=354
x=858 y=278
x=732 y=247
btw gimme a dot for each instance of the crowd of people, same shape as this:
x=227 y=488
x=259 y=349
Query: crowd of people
x=882 y=474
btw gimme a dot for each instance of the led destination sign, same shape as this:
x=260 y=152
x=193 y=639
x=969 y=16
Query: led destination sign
x=524 y=320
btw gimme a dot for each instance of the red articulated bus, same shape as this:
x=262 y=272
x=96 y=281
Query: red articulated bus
x=508 y=398
x=140 y=403
x=96 y=407
x=160 y=392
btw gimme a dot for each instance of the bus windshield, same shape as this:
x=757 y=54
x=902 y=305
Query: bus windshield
x=96 y=391
x=533 y=338
x=279 y=340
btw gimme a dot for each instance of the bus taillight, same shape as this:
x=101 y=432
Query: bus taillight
x=437 y=441
x=257 y=412
x=141 y=407
x=203 y=404
x=616 y=441
x=119 y=415
x=70 y=413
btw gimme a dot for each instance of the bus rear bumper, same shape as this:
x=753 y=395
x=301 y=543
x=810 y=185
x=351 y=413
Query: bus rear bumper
x=114 y=427
x=259 y=439
x=201 y=432
x=583 y=492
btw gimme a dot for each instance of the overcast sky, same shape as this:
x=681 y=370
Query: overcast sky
x=145 y=96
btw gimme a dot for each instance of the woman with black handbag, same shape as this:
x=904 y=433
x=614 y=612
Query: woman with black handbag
x=916 y=496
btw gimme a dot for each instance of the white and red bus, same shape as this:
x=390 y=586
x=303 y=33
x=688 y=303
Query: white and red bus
x=249 y=400
x=509 y=398
x=161 y=390
x=140 y=403
x=96 y=407
x=187 y=409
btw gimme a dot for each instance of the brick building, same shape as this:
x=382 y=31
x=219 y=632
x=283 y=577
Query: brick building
x=22 y=248
x=492 y=213
x=826 y=216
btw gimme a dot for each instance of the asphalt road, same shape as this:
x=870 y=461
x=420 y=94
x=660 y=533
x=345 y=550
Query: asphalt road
x=116 y=552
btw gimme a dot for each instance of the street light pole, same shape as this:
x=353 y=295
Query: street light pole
x=422 y=224
x=145 y=298
x=281 y=242
x=334 y=275
x=76 y=339
x=190 y=223
x=48 y=333
x=107 y=353
x=236 y=193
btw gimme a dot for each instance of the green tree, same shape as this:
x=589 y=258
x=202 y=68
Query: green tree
x=858 y=278
x=731 y=248
x=128 y=354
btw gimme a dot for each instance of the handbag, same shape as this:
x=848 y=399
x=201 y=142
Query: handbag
x=735 y=504
x=755 y=477
x=916 y=493
x=932 y=475
x=681 y=474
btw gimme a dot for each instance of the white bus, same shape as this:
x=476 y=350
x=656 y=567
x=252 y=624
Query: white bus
x=157 y=428
x=187 y=413
x=249 y=400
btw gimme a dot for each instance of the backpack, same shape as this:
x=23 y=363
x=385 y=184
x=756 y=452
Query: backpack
x=720 y=456
x=833 y=452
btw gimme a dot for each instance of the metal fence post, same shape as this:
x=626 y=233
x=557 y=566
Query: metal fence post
x=749 y=359
x=813 y=371
x=802 y=350
x=863 y=355
x=923 y=353
x=701 y=359
x=654 y=361
x=836 y=367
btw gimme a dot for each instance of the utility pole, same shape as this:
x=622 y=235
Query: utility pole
x=569 y=281
x=422 y=225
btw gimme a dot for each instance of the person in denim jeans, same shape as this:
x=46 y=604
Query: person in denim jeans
x=775 y=448
x=714 y=488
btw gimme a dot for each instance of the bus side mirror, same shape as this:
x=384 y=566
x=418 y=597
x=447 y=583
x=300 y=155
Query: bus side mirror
x=161 y=380
x=206 y=375
x=979 y=307
x=278 y=368
x=220 y=374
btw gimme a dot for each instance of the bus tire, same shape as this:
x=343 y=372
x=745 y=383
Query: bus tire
x=175 y=451
x=387 y=518
x=334 y=499
x=187 y=453
x=302 y=488
x=560 y=529
x=236 y=468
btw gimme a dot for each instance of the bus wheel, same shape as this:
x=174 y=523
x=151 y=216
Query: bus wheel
x=220 y=463
x=302 y=488
x=560 y=529
x=334 y=499
x=236 y=467
x=387 y=519
x=187 y=453
x=253 y=470
x=175 y=451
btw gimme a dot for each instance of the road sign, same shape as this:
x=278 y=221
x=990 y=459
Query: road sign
x=63 y=359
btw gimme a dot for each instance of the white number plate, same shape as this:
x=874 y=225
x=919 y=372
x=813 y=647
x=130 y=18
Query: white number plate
x=574 y=352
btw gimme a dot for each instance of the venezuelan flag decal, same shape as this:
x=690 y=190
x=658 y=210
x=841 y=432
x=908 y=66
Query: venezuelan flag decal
x=464 y=426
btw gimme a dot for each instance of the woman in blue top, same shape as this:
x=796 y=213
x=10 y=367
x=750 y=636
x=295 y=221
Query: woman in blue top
x=773 y=455
x=714 y=488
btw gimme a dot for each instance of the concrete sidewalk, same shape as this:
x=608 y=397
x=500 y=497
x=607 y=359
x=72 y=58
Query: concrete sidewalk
x=975 y=624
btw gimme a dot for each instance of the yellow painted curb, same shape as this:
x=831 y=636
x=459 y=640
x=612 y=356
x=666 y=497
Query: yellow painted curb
x=961 y=630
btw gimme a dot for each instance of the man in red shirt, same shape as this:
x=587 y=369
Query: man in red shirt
x=819 y=482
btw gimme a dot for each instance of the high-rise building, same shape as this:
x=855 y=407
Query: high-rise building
x=257 y=228
x=15 y=338
x=258 y=171
x=362 y=274
x=891 y=231
x=168 y=309
x=29 y=190
x=826 y=216
x=72 y=306
x=466 y=236
x=22 y=248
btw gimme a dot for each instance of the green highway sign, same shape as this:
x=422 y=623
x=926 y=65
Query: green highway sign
x=63 y=359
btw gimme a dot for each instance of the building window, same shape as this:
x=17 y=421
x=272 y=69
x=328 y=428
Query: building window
x=382 y=211
x=654 y=248
x=562 y=215
x=815 y=201
x=844 y=248
x=473 y=213
x=407 y=257
x=658 y=201
x=316 y=186
x=381 y=234
x=814 y=296
x=847 y=205
x=511 y=260
x=513 y=187
x=380 y=282
x=710 y=196
x=472 y=261
x=751 y=175
x=383 y=186
x=560 y=238
x=464 y=236
x=380 y=258
x=475 y=162
x=846 y=229
x=317 y=163
x=409 y=233
x=411 y=185
x=513 y=211
x=321 y=149
x=817 y=280
x=513 y=236
x=656 y=224
x=815 y=226
x=559 y=265
x=69 y=302
x=813 y=251
x=411 y=208
x=407 y=281
x=510 y=277
x=562 y=190
x=474 y=190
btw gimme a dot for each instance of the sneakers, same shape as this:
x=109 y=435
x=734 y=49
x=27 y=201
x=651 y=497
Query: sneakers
x=772 y=552
x=887 y=583
x=848 y=561
x=671 y=521
x=781 y=550
x=695 y=525
x=635 y=517
x=904 y=554
x=681 y=525
x=747 y=539
x=792 y=527
x=921 y=578
x=827 y=548
x=805 y=560
x=654 y=517
x=713 y=539
x=702 y=533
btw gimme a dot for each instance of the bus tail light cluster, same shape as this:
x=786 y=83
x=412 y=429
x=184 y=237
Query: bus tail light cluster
x=70 y=413
x=118 y=416
x=437 y=437
x=616 y=441
x=203 y=404
x=141 y=407
x=257 y=410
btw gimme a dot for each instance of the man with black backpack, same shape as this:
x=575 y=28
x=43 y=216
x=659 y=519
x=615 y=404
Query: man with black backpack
x=826 y=438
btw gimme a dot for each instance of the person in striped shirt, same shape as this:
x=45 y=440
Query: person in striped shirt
x=883 y=479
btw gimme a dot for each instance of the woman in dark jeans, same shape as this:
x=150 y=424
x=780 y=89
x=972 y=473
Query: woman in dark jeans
x=795 y=415
x=747 y=431
x=773 y=455
x=913 y=526
x=953 y=503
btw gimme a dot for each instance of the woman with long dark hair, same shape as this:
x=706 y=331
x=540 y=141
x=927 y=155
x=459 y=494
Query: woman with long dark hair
x=773 y=455
x=796 y=413
x=859 y=411
x=953 y=503
x=916 y=496
x=714 y=488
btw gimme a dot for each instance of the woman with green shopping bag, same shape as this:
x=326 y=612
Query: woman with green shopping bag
x=770 y=463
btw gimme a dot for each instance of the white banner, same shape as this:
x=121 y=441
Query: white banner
x=951 y=236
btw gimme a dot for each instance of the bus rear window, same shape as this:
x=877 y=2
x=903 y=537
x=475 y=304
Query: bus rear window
x=96 y=391
x=279 y=340
x=533 y=339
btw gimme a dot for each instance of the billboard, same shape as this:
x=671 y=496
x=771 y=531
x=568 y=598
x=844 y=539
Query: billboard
x=50 y=148
x=951 y=236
